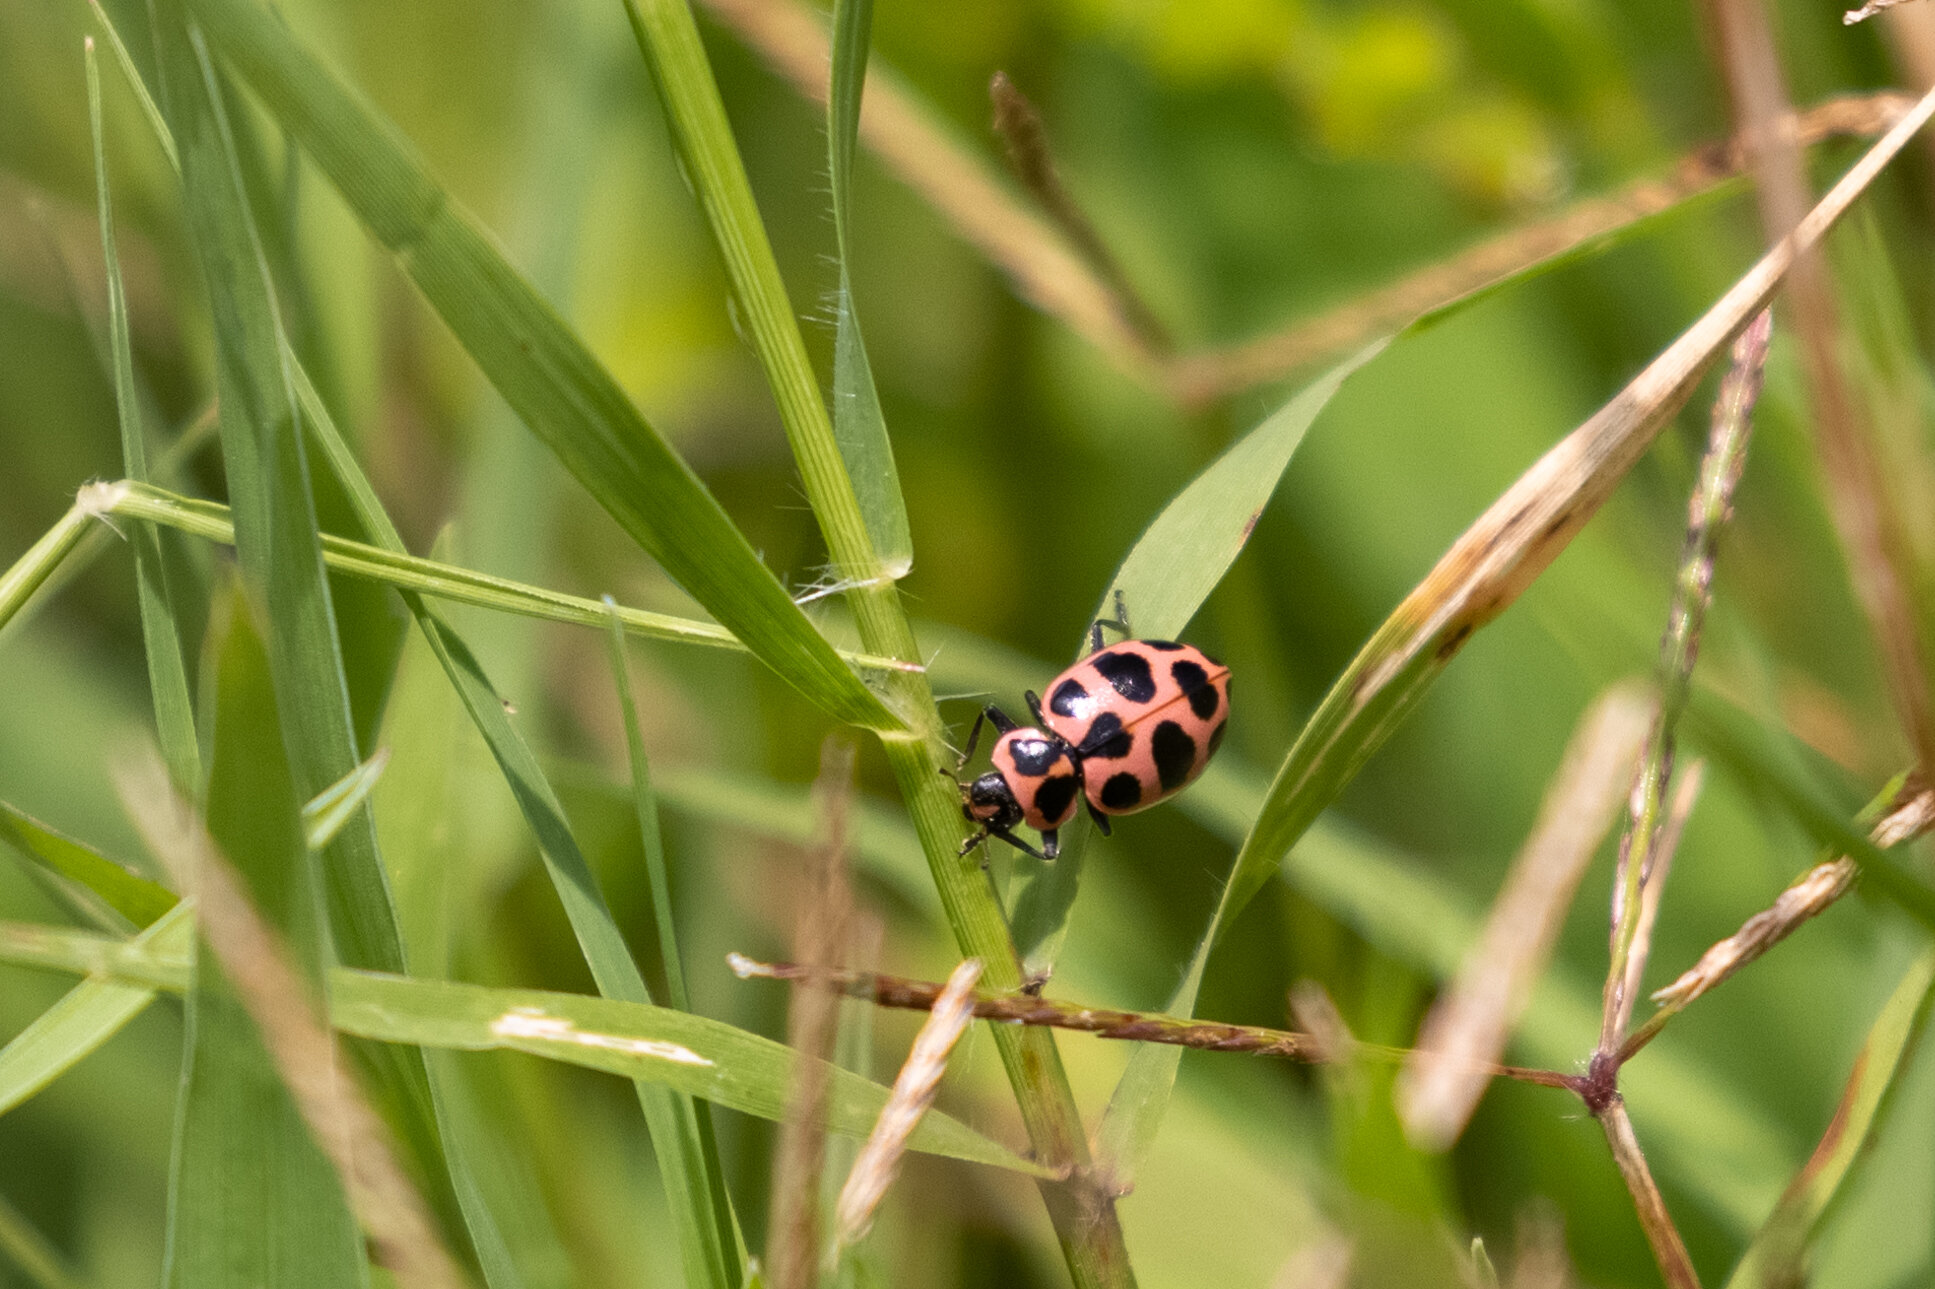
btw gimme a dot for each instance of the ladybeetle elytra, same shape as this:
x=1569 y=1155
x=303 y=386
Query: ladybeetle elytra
x=1126 y=727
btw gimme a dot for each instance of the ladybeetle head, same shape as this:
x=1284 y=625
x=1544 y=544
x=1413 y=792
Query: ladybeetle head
x=990 y=802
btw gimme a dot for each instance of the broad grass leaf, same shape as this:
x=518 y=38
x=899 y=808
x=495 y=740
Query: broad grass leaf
x=540 y=367
x=859 y=426
x=1183 y=554
x=87 y=1016
x=128 y=894
x=253 y=1203
x=1778 y=1252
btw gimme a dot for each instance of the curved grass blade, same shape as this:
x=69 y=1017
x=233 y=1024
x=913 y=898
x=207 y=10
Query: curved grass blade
x=1512 y=543
x=23 y=1245
x=129 y=894
x=324 y=815
x=734 y=1068
x=540 y=367
x=859 y=426
x=43 y=559
x=1776 y=1254
x=1183 y=554
x=161 y=638
x=394 y=567
x=87 y=1016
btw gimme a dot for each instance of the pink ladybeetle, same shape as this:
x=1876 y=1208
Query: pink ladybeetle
x=1126 y=727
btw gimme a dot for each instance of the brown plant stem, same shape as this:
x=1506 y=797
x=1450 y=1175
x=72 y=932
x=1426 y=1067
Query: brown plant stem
x=1142 y=1027
x=1668 y=1249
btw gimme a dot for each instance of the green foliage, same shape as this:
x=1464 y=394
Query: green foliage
x=294 y=211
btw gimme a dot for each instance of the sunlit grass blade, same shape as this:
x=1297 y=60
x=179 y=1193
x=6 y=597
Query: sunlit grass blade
x=161 y=638
x=703 y=1209
x=1183 y=554
x=1511 y=544
x=542 y=369
x=734 y=1068
x=252 y=1201
x=445 y=581
x=87 y=1016
x=129 y=894
x=324 y=815
x=859 y=426
x=1776 y=1255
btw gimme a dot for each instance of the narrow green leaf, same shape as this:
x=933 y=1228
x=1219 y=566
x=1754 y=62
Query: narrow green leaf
x=149 y=108
x=32 y=1252
x=1183 y=554
x=540 y=367
x=253 y=1202
x=132 y=896
x=859 y=426
x=434 y=577
x=278 y=548
x=702 y=1210
x=88 y=1015
x=161 y=638
x=41 y=560
x=733 y=1068
x=324 y=815
x=1777 y=1253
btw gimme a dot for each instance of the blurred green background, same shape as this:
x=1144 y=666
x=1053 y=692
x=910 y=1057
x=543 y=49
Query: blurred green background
x=1250 y=161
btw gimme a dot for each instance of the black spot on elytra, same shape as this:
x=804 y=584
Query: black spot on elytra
x=1121 y=792
x=1194 y=682
x=1054 y=795
x=1033 y=756
x=1216 y=737
x=1167 y=646
x=1175 y=754
x=1129 y=673
x=1107 y=739
x=1067 y=694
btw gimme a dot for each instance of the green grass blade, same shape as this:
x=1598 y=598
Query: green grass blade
x=86 y=1017
x=540 y=367
x=32 y=1252
x=703 y=1211
x=167 y=673
x=252 y=1202
x=129 y=894
x=324 y=815
x=1775 y=1257
x=149 y=108
x=277 y=543
x=733 y=1068
x=859 y=426
x=392 y=566
x=41 y=560
x=1187 y=548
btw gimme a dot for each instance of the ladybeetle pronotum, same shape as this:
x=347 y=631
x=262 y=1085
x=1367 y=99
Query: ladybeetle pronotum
x=1126 y=727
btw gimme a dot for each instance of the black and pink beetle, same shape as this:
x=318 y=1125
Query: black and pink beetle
x=1126 y=727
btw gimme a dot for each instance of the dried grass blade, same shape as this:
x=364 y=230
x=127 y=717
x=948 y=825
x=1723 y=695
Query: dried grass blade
x=1874 y=539
x=819 y=937
x=1468 y=1027
x=920 y=1078
x=1508 y=546
x=1685 y=794
x=401 y=1231
x=1512 y=256
x=1669 y=1250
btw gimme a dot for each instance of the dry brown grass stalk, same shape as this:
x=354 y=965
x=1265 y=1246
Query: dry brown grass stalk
x=1873 y=538
x=1685 y=794
x=919 y=1080
x=1467 y=1029
x=1202 y=376
x=1668 y=1249
x=1047 y=271
x=1540 y=1260
x=1324 y=1263
x=820 y=934
x=402 y=1235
